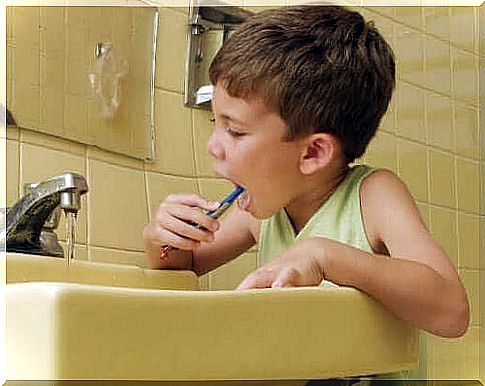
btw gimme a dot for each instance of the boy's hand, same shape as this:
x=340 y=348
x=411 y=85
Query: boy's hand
x=171 y=225
x=296 y=267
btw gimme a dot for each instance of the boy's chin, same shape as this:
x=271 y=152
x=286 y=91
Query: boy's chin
x=248 y=204
x=261 y=214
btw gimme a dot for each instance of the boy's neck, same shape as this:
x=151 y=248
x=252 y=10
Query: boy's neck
x=318 y=189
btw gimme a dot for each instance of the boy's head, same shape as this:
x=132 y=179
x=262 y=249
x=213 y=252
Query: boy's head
x=322 y=69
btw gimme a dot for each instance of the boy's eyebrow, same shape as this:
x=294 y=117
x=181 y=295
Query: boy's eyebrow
x=233 y=119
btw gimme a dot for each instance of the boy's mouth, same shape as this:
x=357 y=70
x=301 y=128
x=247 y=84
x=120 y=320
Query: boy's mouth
x=244 y=201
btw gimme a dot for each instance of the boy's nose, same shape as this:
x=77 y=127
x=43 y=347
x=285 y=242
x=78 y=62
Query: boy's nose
x=214 y=147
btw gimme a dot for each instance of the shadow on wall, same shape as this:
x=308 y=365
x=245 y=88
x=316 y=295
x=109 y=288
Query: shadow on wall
x=10 y=119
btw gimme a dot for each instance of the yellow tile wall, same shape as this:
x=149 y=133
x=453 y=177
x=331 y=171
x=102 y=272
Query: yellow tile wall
x=429 y=137
x=480 y=233
x=437 y=152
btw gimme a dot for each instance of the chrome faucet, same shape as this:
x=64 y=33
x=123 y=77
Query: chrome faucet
x=26 y=219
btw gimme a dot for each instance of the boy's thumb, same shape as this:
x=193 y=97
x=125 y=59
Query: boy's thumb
x=212 y=205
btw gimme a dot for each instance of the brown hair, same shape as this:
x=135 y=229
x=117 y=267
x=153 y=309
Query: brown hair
x=321 y=68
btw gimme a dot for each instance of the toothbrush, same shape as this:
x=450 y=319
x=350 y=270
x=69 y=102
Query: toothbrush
x=215 y=214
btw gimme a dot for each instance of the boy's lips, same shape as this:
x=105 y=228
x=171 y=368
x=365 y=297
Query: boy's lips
x=244 y=201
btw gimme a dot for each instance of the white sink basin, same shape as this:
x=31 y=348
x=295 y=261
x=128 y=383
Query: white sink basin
x=80 y=331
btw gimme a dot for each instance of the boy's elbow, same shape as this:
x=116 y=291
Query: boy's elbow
x=198 y=268
x=454 y=317
x=456 y=323
x=463 y=321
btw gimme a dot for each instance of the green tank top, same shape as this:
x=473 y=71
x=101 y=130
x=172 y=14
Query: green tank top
x=339 y=218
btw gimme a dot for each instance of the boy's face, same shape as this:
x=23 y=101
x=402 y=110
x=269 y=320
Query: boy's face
x=247 y=148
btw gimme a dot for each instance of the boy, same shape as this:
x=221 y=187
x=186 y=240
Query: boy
x=298 y=94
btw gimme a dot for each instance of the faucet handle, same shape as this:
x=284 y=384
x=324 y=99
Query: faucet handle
x=52 y=221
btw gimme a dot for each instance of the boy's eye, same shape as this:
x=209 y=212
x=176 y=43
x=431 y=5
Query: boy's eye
x=235 y=134
x=231 y=132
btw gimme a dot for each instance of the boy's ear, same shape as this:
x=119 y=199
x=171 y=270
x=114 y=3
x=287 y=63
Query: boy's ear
x=318 y=151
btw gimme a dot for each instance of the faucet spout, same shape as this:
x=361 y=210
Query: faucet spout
x=27 y=217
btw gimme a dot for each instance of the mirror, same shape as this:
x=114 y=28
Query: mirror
x=84 y=74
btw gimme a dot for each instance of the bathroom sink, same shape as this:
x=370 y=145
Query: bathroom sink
x=81 y=331
x=34 y=268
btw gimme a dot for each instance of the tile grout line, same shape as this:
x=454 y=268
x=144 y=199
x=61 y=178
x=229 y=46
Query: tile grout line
x=455 y=163
x=88 y=204
x=194 y=157
x=20 y=169
x=117 y=249
x=147 y=192
x=422 y=31
x=455 y=211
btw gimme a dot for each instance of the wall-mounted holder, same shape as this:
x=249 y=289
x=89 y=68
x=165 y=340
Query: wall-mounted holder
x=209 y=27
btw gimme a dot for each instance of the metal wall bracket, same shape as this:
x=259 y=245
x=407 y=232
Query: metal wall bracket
x=208 y=28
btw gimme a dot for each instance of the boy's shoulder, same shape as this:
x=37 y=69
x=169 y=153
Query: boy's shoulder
x=381 y=179
x=384 y=183
x=387 y=205
x=392 y=217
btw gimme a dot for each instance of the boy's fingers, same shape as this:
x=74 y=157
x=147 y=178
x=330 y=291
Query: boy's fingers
x=287 y=277
x=254 y=280
x=245 y=284
x=279 y=284
x=270 y=278
x=182 y=228
x=192 y=200
x=177 y=241
x=189 y=215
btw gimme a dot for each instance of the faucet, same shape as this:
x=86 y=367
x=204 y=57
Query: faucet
x=25 y=220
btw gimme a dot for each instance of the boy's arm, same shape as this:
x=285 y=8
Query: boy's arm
x=416 y=282
x=237 y=233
